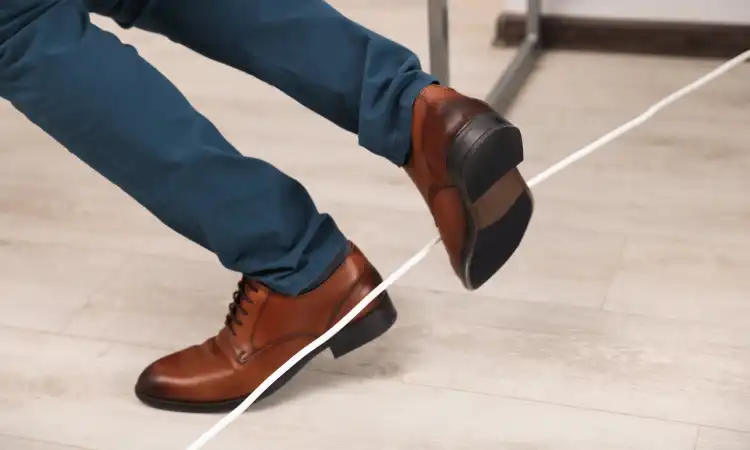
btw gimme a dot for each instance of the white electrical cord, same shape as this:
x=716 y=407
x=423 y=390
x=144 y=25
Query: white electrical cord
x=414 y=260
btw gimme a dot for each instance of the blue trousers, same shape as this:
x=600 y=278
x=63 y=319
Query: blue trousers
x=118 y=114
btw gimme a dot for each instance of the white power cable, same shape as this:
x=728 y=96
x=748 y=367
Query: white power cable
x=414 y=260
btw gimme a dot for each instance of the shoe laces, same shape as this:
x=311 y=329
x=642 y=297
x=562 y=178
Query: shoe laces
x=236 y=308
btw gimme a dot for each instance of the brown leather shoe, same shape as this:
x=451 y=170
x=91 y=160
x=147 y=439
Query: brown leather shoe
x=464 y=159
x=263 y=330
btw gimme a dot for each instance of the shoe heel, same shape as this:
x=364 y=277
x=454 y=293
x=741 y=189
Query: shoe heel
x=370 y=327
x=483 y=163
x=484 y=151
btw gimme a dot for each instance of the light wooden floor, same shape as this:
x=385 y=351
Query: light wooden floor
x=622 y=323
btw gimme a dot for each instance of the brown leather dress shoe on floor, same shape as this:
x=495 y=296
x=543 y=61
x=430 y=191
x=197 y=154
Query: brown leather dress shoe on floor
x=464 y=162
x=263 y=330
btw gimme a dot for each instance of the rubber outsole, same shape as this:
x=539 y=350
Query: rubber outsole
x=498 y=204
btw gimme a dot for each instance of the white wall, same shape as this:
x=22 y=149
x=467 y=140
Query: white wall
x=711 y=11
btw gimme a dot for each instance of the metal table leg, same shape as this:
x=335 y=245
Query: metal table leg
x=509 y=85
x=437 y=11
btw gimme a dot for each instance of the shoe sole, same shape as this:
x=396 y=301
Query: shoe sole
x=498 y=204
x=350 y=338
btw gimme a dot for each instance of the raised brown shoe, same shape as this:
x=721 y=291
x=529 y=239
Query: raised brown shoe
x=263 y=330
x=464 y=162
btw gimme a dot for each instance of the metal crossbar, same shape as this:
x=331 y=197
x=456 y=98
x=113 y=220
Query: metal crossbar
x=505 y=91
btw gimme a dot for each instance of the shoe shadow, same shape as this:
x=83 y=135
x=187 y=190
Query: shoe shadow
x=307 y=381
x=385 y=358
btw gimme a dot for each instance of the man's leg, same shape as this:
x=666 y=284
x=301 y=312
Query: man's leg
x=98 y=98
x=348 y=74
x=115 y=112
x=460 y=154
